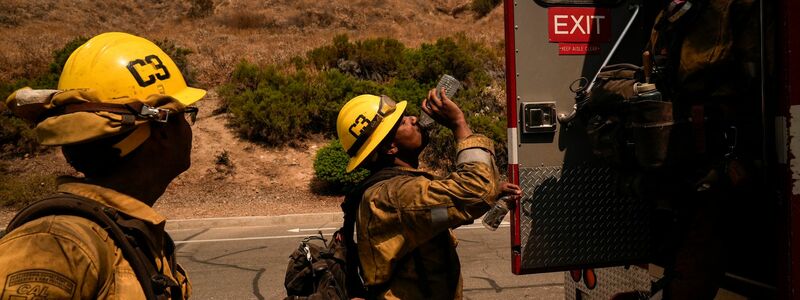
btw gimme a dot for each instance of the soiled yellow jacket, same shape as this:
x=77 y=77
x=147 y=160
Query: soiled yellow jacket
x=68 y=257
x=404 y=226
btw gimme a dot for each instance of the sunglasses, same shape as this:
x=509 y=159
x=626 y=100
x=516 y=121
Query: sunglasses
x=385 y=108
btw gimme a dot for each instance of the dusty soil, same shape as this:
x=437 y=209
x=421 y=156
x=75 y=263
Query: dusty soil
x=258 y=180
x=262 y=31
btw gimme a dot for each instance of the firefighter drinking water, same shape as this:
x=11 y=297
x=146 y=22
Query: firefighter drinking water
x=404 y=216
x=119 y=117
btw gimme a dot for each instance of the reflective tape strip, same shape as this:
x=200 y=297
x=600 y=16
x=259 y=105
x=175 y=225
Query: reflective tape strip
x=439 y=216
x=513 y=142
x=474 y=155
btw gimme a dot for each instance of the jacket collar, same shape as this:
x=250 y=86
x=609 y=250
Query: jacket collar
x=119 y=201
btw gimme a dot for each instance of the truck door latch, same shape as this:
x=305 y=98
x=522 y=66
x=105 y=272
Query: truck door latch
x=538 y=117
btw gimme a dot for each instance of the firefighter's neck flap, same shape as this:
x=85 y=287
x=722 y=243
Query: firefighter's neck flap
x=78 y=116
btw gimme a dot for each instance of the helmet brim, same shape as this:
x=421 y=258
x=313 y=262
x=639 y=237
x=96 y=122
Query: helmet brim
x=189 y=95
x=377 y=137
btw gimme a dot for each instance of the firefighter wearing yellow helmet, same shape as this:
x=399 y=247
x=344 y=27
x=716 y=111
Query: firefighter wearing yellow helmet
x=403 y=216
x=118 y=114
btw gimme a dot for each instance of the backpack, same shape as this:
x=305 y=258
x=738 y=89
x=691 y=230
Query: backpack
x=317 y=271
x=134 y=238
x=331 y=270
x=625 y=130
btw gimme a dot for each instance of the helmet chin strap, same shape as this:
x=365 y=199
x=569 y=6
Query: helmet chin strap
x=133 y=140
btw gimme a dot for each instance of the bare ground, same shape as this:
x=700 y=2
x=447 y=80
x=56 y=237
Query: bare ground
x=259 y=181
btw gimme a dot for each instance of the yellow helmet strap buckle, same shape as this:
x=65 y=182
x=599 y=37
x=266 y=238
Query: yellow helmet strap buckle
x=156 y=114
x=137 y=109
x=161 y=115
x=386 y=107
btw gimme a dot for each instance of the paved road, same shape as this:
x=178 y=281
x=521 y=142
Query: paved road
x=245 y=258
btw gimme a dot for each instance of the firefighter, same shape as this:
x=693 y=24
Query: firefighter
x=119 y=116
x=706 y=58
x=405 y=215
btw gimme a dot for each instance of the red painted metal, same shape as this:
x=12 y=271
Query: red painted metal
x=511 y=108
x=511 y=64
x=791 y=79
x=578 y=49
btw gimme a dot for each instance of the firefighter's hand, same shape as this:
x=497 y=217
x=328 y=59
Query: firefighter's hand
x=447 y=113
x=509 y=189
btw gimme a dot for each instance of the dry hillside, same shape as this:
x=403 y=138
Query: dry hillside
x=262 y=181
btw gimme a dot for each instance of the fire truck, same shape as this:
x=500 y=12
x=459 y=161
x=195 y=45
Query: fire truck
x=575 y=214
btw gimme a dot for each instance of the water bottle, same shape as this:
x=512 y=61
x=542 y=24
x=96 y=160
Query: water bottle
x=646 y=91
x=451 y=86
x=652 y=123
x=495 y=216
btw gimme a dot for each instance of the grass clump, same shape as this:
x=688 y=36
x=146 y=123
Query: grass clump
x=20 y=189
x=330 y=164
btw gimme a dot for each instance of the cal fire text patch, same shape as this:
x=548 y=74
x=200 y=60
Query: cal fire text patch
x=37 y=284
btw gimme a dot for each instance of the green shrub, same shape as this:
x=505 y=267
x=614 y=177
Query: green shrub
x=375 y=59
x=276 y=108
x=17 y=137
x=484 y=7
x=270 y=104
x=330 y=165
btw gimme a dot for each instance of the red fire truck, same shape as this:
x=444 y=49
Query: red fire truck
x=575 y=217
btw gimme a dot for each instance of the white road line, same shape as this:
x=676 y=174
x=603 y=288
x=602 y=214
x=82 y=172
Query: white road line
x=312 y=229
x=504 y=224
x=242 y=239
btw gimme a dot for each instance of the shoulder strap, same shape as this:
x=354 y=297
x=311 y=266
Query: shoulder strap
x=123 y=230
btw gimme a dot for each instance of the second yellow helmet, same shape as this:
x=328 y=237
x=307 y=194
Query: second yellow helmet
x=364 y=122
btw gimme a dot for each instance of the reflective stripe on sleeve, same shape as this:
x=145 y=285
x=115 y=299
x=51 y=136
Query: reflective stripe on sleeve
x=474 y=155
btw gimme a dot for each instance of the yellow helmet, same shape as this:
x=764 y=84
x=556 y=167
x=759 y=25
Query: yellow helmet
x=118 y=65
x=363 y=123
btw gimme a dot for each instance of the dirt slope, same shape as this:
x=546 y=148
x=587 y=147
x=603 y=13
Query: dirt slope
x=265 y=31
x=263 y=180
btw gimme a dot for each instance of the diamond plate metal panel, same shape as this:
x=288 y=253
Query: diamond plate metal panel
x=577 y=217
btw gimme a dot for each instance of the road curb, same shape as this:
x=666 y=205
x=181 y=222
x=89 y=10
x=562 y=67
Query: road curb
x=182 y=224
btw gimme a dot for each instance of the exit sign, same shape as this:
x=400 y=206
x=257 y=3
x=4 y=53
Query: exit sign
x=579 y=25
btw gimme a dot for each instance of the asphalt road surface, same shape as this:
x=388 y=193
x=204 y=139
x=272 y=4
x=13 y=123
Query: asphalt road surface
x=246 y=258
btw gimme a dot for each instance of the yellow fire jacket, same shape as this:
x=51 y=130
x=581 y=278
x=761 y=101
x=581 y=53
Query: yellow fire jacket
x=404 y=225
x=68 y=257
